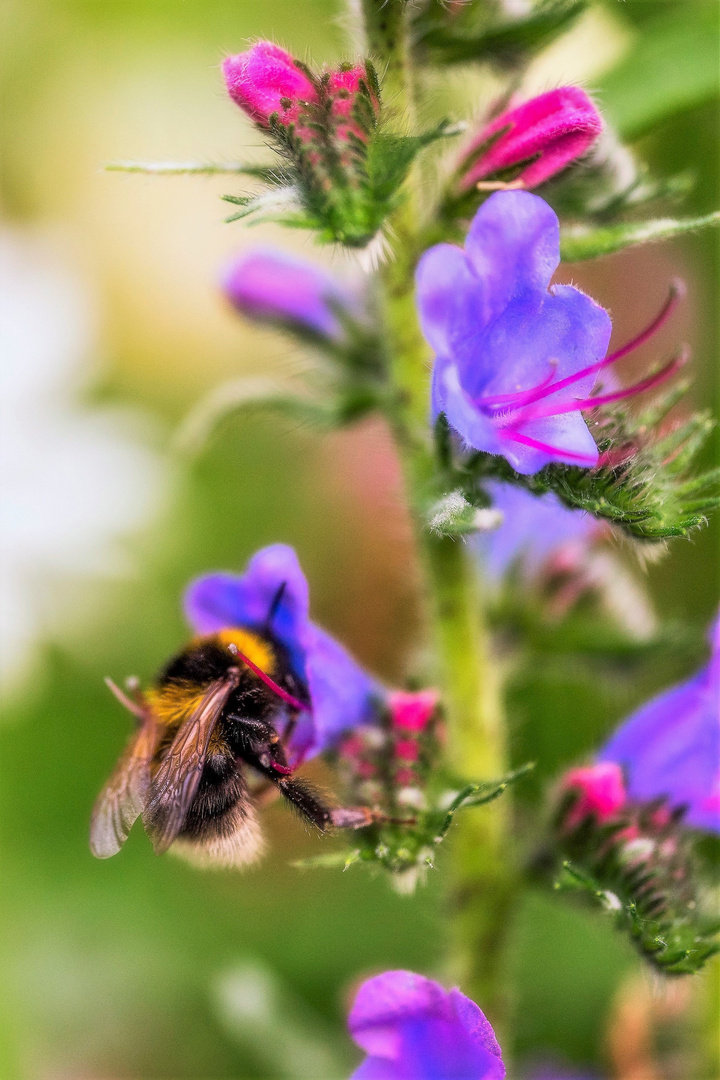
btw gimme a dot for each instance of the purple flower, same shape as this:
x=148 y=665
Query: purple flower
x=534 y=529
x=272 y=597
x=671 y=746
x=273 y=287
x=517 y=361
x=413 y=1029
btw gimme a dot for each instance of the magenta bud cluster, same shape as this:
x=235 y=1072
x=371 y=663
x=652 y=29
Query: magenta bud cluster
x=386 y=765
x=276 y=90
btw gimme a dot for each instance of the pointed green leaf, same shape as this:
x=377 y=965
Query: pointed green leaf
x=478 y=795
x=190 y=168
x=245 y=395
x=506 y=42
x=585 y=242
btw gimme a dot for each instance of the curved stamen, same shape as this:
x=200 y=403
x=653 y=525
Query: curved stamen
x=543 y=390
x=579 y=404
x=295 y=702
x=520 y=396
x=535 y=444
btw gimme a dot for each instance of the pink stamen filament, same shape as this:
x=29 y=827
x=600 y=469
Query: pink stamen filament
x=535 y=444
x=546 y=388
x=578 y=404
x=295 y=702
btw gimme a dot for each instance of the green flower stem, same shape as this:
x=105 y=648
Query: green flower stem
x=481 y=875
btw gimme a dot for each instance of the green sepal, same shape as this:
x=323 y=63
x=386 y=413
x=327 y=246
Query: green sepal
x=587 y=242
x=390 y=156
x=331 y=860
x=505 y=43
x=679 y=945
x=652 y=495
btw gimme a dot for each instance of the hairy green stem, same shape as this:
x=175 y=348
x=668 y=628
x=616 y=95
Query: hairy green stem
x=482 y=880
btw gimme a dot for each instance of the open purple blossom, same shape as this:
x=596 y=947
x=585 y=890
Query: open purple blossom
x=670 y=747
x=534 y=530
x=272 y=597
x=413 y=1029
x=517 y=360
x=271 y=286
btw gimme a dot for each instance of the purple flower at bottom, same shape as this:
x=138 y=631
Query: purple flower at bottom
x=272 y=596
x=413 y=1029
x=273 y=287
x=517 y=360
x=533 y=530
x=670 y=747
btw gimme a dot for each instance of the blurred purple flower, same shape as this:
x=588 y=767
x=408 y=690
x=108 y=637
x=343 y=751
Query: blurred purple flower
x=671 y=746
x=272 y=597
x=517 y=362
x=533 y=530
x=273 y=287
x=413 y=1029
x=548 y=132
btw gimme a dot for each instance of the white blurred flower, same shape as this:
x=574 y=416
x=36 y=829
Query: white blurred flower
x=75 y=479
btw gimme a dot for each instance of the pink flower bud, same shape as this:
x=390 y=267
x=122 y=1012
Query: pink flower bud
x=266 y=80
x=411 y=712
x=343 y=88
x=407 y=749
x=553 y=129
x=602 y=792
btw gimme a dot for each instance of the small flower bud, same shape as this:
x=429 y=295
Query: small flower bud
x=267 y=81
x=274 y=287
x=601 y=791
x=543 y=135
x=352 y=102
x=412 y=711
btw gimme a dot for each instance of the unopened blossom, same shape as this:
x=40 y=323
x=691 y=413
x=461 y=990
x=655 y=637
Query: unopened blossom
x=670 y=747
x=517 y=360
x=411 y=711
x=266 y=82
x=411 y=1028
x=535 y=529
x=272 y=596
x=268 y=285
x=601 y=792
x=547 y=133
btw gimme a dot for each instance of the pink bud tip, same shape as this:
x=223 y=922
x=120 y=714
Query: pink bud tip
x=411 y=712
x=602 y=792
x=266 y=80
x=554 y=129
x=407 y=749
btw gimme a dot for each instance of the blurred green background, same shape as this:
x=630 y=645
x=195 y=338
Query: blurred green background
x=141 y=967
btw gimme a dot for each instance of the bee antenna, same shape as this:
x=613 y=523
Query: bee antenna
x=125 y=701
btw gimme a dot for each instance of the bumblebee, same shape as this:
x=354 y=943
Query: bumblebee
x=228 y=701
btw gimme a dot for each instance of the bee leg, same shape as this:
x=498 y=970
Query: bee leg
x=305 y=800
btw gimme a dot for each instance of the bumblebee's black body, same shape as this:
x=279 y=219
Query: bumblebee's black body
x=227 y=701
x=247 y=732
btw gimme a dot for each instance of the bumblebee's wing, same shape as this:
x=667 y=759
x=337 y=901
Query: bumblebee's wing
x=124 y=796
x=175 y=783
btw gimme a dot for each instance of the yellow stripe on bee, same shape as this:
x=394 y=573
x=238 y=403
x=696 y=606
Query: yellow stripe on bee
x=174 y=702
x=250 y=645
